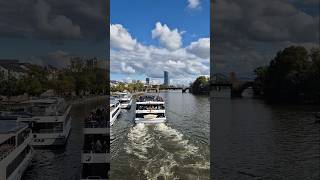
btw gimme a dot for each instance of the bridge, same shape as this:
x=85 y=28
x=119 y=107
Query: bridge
x=219 y=81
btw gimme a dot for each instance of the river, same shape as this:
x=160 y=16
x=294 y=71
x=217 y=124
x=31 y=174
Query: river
x=178 y=149
x=254 y=140
x=63 y=163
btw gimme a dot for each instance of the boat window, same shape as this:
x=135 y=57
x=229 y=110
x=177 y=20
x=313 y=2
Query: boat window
x=150 y=107
x=48 y=127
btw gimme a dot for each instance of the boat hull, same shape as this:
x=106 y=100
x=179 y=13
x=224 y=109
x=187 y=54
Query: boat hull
x=150 y=121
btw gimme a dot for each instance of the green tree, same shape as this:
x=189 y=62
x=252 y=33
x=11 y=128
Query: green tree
x=200 y=85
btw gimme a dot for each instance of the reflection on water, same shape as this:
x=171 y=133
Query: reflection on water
x=178 y=149
x=63 y=163
x=253 y=140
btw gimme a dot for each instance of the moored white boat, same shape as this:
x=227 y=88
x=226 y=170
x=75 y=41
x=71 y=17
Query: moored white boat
x=15 y=150
x=95 y=154
x=125 y=99
x=150 y=110
x=50 y=119
x=115 y=109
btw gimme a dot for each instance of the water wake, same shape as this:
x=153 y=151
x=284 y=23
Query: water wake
x=160 y=151
x=171 y=134
x=139 y=141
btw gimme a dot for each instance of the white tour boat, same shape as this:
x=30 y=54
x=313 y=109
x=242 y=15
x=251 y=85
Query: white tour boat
x=95 y=154
x=115 y=109
x=15 y=150
x=50 y=119
x=125 y=99
x=150 y=110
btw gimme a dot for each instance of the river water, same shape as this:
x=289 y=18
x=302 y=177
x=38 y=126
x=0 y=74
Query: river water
x=254 y=140
x=178 y=149
x=63 y=163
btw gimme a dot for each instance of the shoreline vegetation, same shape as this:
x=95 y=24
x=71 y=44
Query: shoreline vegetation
x=292 y=76
x=83 y=78
x=200 y=86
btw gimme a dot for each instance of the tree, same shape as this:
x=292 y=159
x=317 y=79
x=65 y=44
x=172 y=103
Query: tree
x=290 y=76
x=200 y=85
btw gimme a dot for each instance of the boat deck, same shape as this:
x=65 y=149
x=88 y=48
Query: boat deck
x=97 y=119
x=148 y=98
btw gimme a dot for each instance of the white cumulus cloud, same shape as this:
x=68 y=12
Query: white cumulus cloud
x=121 y=38
x=193 y=4
x=150 y=61
x=171 y=39
x=127 y=69
x=200 y=48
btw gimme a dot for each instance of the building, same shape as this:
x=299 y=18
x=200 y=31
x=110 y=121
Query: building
x=13 y=69
x=166 y=78
x=147 y=81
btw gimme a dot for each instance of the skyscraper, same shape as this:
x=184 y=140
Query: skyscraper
x=166 y=78
x=147 y=81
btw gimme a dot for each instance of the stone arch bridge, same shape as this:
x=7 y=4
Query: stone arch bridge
x=219 y=81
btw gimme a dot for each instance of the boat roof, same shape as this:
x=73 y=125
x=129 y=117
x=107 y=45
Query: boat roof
x=9 y=127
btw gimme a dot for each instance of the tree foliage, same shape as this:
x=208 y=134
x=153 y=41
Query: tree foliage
x=292 y=75
x=200 y=85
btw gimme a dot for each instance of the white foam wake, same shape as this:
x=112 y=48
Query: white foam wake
x=139 y=141
x=177 y=137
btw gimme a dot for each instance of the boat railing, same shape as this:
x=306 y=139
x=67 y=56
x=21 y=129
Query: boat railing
x=5 y=150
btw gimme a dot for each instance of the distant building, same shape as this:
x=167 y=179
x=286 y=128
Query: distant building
x=147 y=81
x=12 y=68
x=166 y=78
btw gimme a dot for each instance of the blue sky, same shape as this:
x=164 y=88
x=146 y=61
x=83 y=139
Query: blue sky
x=139 y=17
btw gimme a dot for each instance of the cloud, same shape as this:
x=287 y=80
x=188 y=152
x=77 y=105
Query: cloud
x=57 y=21
x=151 y=61
x=171 y=39
x=201 y=48
x=120 y=38
x=127 y=69
x=193 y=4
x=58 y=26
x=248 y=33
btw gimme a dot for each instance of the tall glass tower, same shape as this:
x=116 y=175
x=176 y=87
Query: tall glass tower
x=166 y=78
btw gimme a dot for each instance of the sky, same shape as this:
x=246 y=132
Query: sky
x=148 y=37
x=51 y=31
x=248 y=33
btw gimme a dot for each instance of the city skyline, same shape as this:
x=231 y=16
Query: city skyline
x=174 y=39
